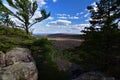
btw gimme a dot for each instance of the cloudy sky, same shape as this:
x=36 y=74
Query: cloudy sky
x=67 y=16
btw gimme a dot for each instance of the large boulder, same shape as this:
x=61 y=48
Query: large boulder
x=93 y=76
x=78 y=73
x=17 y=64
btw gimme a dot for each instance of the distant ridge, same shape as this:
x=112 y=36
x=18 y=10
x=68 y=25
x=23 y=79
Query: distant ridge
x=60 y=35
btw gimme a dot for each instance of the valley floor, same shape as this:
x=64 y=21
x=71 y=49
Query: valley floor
x=65 y=43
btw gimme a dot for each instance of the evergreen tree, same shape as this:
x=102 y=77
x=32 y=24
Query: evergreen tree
x=101 y=48
x=106 y=14
x=25 y=12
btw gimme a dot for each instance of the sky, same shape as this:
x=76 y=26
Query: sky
x=67 y=16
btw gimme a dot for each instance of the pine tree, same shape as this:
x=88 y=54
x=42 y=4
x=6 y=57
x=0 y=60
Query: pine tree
x=101 y=47
x=106 y=13
x=25 y=12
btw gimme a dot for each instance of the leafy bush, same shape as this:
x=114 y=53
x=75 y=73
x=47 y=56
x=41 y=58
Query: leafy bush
x=11 y=37
x=7 y=43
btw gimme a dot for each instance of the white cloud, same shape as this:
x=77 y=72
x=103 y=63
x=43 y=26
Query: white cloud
x=17 y=21
x=73 y=29
x=88 y=19
x=54 y=1
x=82 y=25
x=50 y=18
x=73 y=17
x=62 y=17
x=70 y=17
x=77 y=14
x=67 y=16
x=63 y=22
x=94 y=6
x=86 y=15
x=10 y=8
x=66 y=24
x=41 y=3
x=59 y=26
x=37 y=14
x=59 y=23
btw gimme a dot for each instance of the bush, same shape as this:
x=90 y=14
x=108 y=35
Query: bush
x=7 y=43
x=11 y=37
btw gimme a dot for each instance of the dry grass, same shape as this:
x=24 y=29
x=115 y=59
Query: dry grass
x=65 y=43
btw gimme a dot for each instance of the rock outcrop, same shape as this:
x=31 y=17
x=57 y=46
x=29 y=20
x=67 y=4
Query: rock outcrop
x=93 y=76
x=78 y=73
x=17 y=64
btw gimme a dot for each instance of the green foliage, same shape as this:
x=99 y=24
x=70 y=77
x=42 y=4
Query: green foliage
x=11 y=37
x=44 y=54
x=25 y=12
x=43 y=44
x=101 y=47
x=42 y=51
x=6 y=46
x=7 y=31
x=106 y=14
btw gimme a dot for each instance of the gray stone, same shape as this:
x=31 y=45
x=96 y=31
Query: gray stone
x=17 y=64
x=2 y=59
x=93 y=76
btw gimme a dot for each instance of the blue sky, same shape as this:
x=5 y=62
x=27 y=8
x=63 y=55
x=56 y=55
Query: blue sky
x=67 y=16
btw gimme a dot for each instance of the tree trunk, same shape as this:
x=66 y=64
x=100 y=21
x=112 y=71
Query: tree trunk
x=26 y=29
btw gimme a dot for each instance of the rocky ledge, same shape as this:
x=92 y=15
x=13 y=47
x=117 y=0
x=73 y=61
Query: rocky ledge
x=17 y=64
